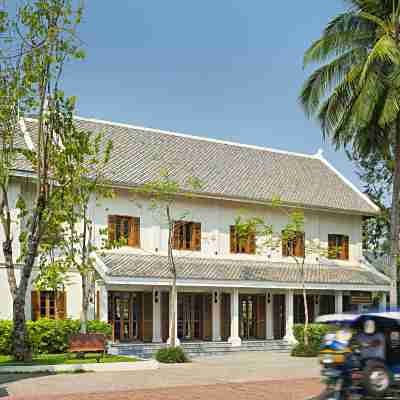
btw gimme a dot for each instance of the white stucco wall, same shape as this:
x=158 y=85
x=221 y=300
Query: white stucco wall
x=216 y=217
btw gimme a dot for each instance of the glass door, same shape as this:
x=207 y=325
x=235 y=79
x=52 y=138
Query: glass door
x=247 y=317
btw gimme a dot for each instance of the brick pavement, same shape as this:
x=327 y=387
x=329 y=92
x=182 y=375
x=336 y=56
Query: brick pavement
x=267 y=390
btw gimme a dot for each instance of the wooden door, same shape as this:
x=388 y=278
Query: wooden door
x=279 y=309
x=165 y=316
x=260 y=317
x=147 y=316
x=207 y=316
x=225 y=316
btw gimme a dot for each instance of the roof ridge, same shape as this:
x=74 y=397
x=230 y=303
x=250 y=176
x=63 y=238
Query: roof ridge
x=196 y=137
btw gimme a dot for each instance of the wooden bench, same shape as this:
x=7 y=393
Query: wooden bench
x=89 y=343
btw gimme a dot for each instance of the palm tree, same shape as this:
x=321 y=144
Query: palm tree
x=355 y=92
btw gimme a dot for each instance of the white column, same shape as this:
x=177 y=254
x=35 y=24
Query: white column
x=156 y=315
x=216 y=315
x=103 y=295
x=269 y=315
x=234 y=339
x=289 y=317
x=176 y=317
x=317 y=300
x=382 y=302
x=338 y=302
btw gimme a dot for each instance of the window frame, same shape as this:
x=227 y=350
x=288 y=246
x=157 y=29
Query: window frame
x=239 y=245
x=290 y=247
x=341 y=251
x=114 y=224
x=185 y=239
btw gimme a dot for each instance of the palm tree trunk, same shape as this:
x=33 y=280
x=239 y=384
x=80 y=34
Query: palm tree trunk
x=394 y=220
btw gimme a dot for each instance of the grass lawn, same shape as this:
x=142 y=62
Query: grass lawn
x=54 y=359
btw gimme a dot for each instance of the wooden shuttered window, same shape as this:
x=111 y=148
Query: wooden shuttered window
x=338 y=247
x=124 y=228
x=187 y=236
x=242 y=245
x=293 y=245
x=48 y=304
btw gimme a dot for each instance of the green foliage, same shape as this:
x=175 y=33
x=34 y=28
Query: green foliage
x=315 y=334
x=171 y=355
x=47 y=336
x=5 y=337
x=301 y=350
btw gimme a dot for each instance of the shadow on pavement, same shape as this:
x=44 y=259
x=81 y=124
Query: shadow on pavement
x=10 y=378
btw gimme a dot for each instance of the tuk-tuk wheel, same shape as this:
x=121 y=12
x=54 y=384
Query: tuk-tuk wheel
x=376 y=378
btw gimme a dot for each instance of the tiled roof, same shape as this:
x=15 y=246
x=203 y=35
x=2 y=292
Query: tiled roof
x=225 y=169
x=137 y=265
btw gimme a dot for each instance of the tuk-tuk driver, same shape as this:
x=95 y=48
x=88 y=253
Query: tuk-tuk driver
x=372 y=343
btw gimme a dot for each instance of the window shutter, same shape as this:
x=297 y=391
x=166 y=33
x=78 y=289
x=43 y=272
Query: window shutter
x=196 y=236
x=332 y=251
x=35 y=305
x=232 y=239
x=345 y=248
x=252 y=243
x=111 y=228
x=285 y=246
x=299 y=250
x=134 y=232
x=98 y=305
x=175 y=233
x=61 y=305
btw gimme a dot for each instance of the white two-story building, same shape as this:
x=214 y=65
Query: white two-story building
x=227 y=290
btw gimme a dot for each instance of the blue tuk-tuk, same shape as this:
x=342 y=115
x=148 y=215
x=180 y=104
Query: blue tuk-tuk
x=360 y=365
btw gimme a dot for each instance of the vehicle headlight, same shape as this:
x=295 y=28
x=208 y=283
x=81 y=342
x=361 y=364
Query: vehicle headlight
x=329 y=358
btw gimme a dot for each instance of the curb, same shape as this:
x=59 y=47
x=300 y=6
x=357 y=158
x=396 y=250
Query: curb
x=92 y=367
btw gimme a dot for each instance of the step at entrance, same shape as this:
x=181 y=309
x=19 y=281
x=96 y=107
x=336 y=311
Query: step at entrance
x=196 y=349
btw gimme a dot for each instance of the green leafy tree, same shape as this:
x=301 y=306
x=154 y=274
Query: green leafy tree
x=164 y=194
x=269 y=240
x=36 y=43
x=355 y=94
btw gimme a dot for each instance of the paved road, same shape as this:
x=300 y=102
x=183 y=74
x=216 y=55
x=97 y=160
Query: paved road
x=254 y=371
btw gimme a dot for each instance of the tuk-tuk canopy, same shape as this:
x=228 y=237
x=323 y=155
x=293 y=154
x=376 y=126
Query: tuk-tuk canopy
x=391 y=318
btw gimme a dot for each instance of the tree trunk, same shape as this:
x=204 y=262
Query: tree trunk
x=306 y=319
x=394 y=221
x=174 y=294
x=173 y=333
x=85 y=305
x=21 y=350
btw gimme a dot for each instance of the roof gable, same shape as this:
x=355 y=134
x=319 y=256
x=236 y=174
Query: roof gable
x=226 y=170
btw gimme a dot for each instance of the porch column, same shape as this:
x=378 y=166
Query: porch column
x=156 y=315
x=269 y=316
x=289 y=317
x=176 y=317
x=216 y=315
x=338 y=302
x=382 y=302
x=103 y=297
x=234 y=339
x=317 y=299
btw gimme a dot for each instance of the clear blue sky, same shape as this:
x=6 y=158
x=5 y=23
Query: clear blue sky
x=227 y=69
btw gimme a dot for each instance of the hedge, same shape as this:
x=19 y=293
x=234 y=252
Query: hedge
x=171 y=355
x=48 y=336
x=316 y=333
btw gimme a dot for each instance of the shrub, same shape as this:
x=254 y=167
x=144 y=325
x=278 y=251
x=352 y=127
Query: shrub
x=99 y=327
x=300 y=350
x=171 y=355
x=315 y=333
x=48 y=336
x=5 y=337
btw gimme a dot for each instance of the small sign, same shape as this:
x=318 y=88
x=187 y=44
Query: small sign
x=361 y=298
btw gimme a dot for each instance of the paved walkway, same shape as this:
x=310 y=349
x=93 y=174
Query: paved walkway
x=241 y=373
